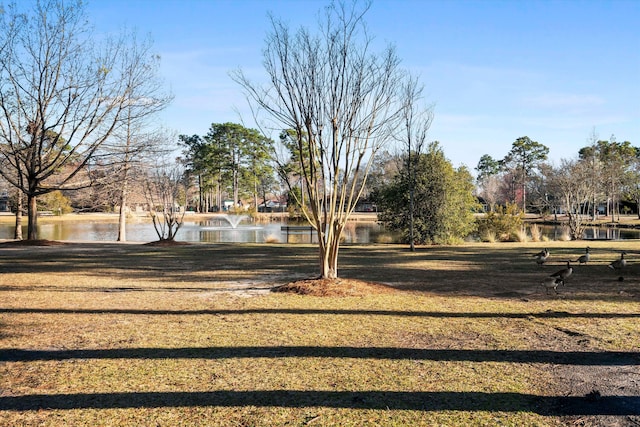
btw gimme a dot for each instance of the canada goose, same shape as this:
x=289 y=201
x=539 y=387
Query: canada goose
x=541 y=257
x=563 y=274
x=583 y=259
x=619 y=264
x=551 y=283
x=542 y=253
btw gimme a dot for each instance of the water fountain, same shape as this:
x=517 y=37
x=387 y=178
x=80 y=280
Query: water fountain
x=223 y=228
x=229 y=223
x=233 y=219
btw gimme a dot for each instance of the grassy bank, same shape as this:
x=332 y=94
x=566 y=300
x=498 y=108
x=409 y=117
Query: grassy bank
x=109 y=334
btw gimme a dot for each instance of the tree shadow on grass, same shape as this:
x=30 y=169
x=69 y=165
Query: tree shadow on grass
x=578 y=358
x=383 y=400
x=466 y=270
x=322 y=311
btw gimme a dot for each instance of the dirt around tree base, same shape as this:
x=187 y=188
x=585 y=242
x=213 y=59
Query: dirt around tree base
x=334 y=288
x=37 y=242
x=167 y=242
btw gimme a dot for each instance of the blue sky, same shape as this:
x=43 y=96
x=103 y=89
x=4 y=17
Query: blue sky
x=494 y=70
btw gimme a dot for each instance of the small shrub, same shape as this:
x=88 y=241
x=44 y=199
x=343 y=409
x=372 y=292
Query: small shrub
x=55 y=202
x=506 y=237
x=536 y=232
x=565 y=236
x=488 y=236
x=504 y=221
x=452 y=240
x=271 y=238
x=521 y=235
x=385 y=238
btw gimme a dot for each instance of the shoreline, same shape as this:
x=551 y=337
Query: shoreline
x=7 y=217
x=624 y=221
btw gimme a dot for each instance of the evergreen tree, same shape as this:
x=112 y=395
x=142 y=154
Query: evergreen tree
x=443 y=205
x=524 y=159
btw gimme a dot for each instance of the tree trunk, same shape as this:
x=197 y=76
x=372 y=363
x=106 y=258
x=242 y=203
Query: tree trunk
x=524 y=190
x=200 y=205
x=219 y=196
x=328 y=261
x=613 y=208
x=329 y=247
x=412 y=182
x=32 y=212
x=122 y=218
x=235 y=190
x=412 y=245
x=255 y=195
x=18 y=231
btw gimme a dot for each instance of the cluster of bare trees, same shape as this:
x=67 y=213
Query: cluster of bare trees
x=73 y=111
x=604 y=174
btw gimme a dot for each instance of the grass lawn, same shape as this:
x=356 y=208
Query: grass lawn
x=128 y=334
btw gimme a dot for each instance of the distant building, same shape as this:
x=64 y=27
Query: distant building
x=4 y=201
x=272 y=206
x=366 y=206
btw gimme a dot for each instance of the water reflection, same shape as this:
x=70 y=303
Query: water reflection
x=219 y=230
x=556 y=232
x=214 y=230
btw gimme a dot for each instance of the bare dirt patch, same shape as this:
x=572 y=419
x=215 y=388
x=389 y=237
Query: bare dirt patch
x=334 y=288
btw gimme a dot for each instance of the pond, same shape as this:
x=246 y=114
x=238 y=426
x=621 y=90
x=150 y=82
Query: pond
x=218 y=229
x=555 y=232
x=240 y=229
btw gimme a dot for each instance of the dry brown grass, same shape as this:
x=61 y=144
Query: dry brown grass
x=112 y=334
x=536 y=232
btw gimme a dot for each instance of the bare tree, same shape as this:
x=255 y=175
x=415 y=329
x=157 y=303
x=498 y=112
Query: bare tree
x=571 y=181
x=611 y=162
x=61 y=98
x=416 y=123
x=632 y=184
x=136 y=140
x=489 y=179
x=541 y=199
x=595 y=166
x=342 y=102
x=490 y=190
x=166 y=192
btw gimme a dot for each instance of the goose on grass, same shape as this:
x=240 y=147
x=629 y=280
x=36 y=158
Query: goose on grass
x=583 y=259
x=563 y=274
